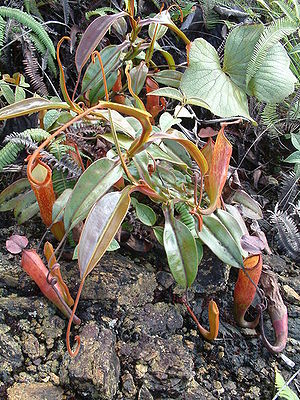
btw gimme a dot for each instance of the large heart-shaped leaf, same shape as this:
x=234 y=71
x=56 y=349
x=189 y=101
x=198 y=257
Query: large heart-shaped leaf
x=274 y=80
x=205 y=80
x=92 y=37
x=219 y=240
x=28 y=106
x=100 y=228
x=181 y=250
x=96 y=180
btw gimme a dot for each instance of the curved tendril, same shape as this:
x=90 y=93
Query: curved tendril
x=97 y=54
x=63 y=80
x=199 y=219
x=77 y=338
x=179 y=8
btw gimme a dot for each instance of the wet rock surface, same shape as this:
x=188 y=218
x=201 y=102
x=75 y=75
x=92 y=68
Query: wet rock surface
x=137 y=342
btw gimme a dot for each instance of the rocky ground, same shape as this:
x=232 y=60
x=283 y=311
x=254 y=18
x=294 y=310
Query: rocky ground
x=136 y=342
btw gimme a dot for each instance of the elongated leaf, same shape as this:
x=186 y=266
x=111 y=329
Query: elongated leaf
x=110 y=57
x=170 y=92
x=96 y=180
x=250 y=208
x=28 y=106
x=168 y=77
x=145 y=214
x=60 y=204
x=26 y=207
x=10 y=196
x=219 y=240
x=138 y=77
x=100 y=228
x=181 y=250
x=159 y=234
x=187 y=144
x=293 y=158
x=217 y=170
x=92 y=37
x=233 y=227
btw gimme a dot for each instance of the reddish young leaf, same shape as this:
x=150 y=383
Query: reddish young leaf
x=244 y=290
x=154 y=103
x=218 y=164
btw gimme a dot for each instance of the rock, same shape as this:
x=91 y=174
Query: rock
x=144 y=394
x=96 y=369
x=165 y=364
x=165 y=279
x=31 y=346
x=128 y=386
x=34 y=391
x=291 y=295
x=11 y=357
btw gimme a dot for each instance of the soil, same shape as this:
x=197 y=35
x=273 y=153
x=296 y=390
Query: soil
x=136 y=342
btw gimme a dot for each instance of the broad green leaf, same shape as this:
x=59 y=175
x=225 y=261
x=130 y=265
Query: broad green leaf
x=101 y=227
x=250 y=208
x=98 y=92
x=26 y=207
x=274 y=80
x=205 y=80
x=295 y=137
x=293 y=158
x=181 y=250
x=238 y=51
x=160 y=31
x=92 y=37
x=110 y=57
x=168 y=77
x=28 y=106
x=121 y=123
x=145 y=214
x=96 y=180
x=7 y=92
x=237 y=216
x=166 y=121
x=219 y=240
x=60 y=204
x=124 y=141
x=50 y=117
x=163 y=152
x=10 y=196
x=19 y=94
x=233 y=227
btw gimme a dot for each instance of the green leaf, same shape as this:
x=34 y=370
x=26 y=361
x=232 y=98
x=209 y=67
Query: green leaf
x=138 y=77
x=159 y=234
x=28 y=106
x=101 y=227
x=50 y=117
x=26 y=207
x=60 y=204
x=293 y=158
x=170 y=92
x=114 y=245
x=160 y=32
x=219 y=240
x=233 y=227
x=250 y=208
x=181 y=250
x=7 y=92
x=166 y=121
x=273 y=81
x=285 y=392
x=238 y=51
x=199 y=250
x=168 y=77
x=295 y=137
x=205 y=80
x=145 y=214
x=96 y=180
x=10 y=196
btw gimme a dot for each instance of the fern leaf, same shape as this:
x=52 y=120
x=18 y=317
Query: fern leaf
x=2 y=32
x=185 y=217
x=270 y=36
x=288 y=189
x=61 y=181
x=285 y=391
x=66 y=8
x=41 y=48
x=28 y=21
x=32 y=70
x=286 y=10
x=9 y=154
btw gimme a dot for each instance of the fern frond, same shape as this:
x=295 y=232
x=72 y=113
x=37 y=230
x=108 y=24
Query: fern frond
x=41 y=48
x=66 y=7
x=271 y=118
x=288 y=234
x=32 y=70
x=288 y=189
x=289 y=12
x=269 y=37
x=28 y=21
x=185 y=217
x=64 y=164
x=2 y=31
x=32 y=8
x=285 y=391
x=61 y=181
x=9 y=154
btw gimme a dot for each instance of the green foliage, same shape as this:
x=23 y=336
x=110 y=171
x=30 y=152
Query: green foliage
x=29 y=22
x=285 y=392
